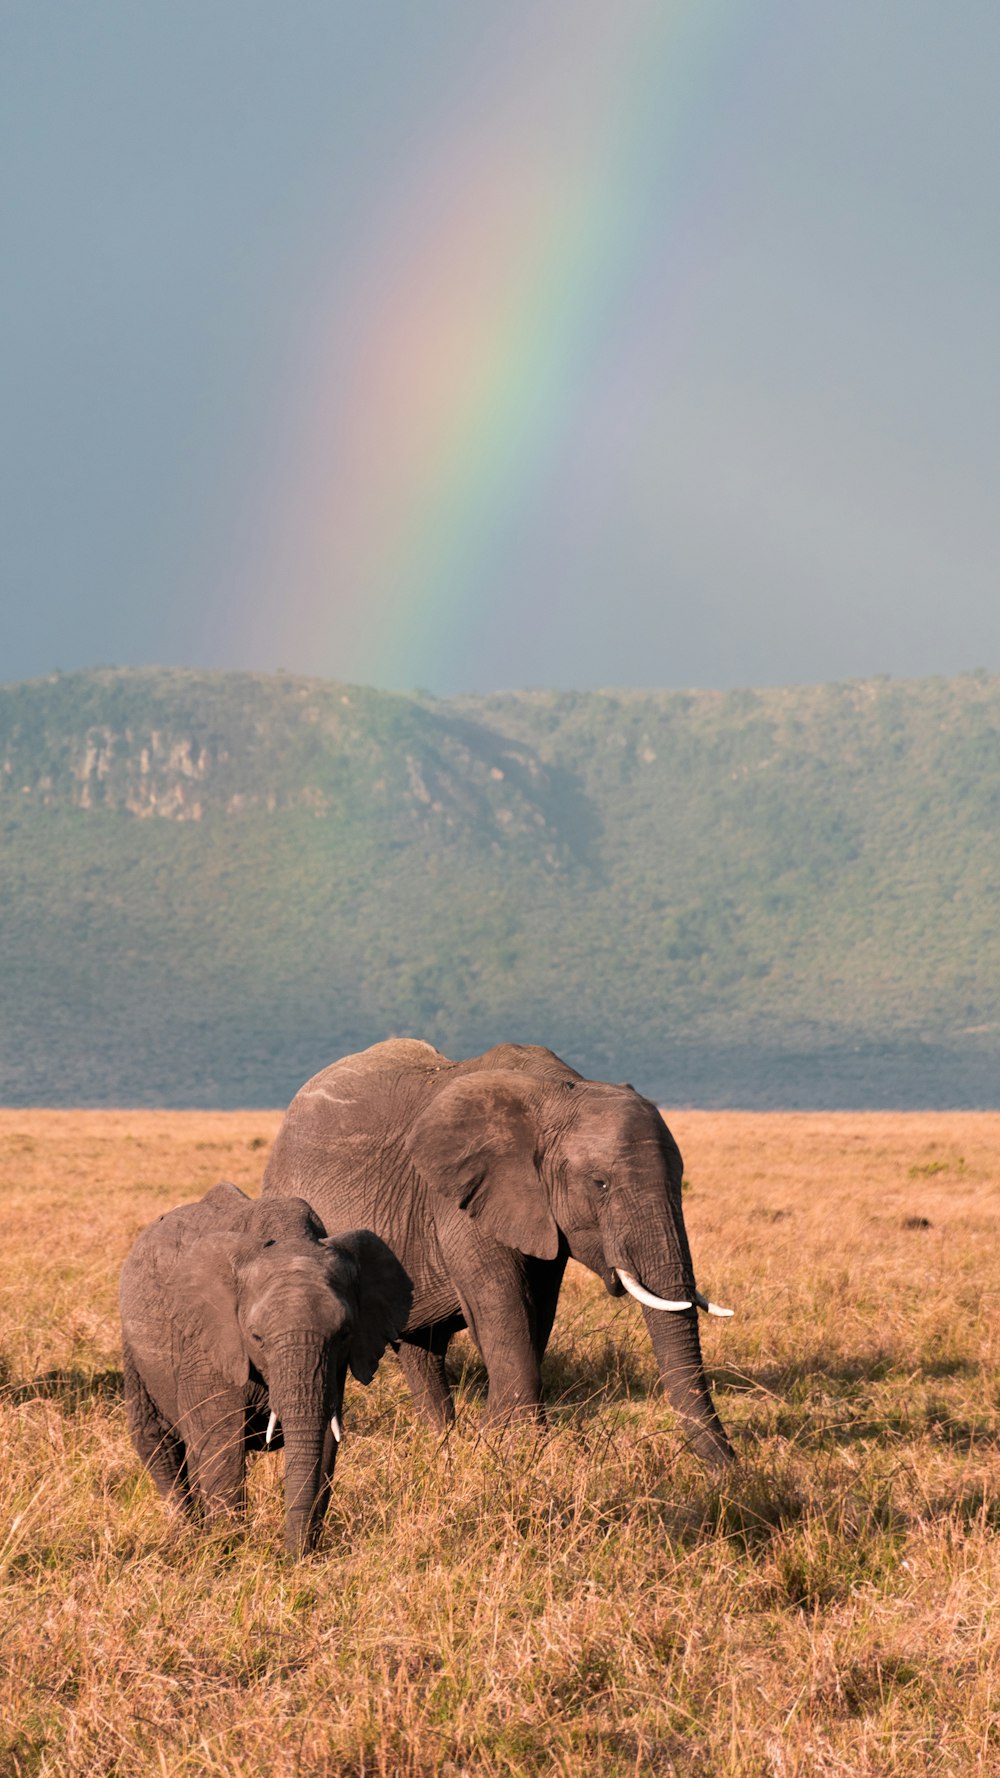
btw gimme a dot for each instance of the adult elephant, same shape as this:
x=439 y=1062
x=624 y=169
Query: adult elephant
x=485 y=1177
x=236 y=1313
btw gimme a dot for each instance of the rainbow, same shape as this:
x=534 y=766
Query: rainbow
x=456 y=361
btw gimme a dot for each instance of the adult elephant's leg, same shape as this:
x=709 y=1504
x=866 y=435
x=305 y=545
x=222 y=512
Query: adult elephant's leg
x=493 y=1292
x=422 y=1356
x=515 y=1388
x=543 y=1278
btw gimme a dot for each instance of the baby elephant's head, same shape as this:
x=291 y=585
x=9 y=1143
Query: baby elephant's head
x=300 y=1307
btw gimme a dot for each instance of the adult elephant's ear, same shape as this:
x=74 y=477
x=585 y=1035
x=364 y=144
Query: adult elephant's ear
x=204 y=1299
x=477 y=1145
x=383 y=1293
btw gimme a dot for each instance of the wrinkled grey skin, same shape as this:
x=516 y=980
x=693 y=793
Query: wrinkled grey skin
x=485 y=1177
x=231 y=1308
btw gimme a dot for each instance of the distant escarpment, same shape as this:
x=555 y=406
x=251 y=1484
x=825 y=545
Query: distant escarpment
x=213 y=883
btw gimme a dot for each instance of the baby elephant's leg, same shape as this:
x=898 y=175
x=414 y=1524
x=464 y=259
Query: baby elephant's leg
x=215 y=1441
x=157 y=1443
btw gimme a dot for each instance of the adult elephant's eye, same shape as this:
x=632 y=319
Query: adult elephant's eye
x=601 y=1184
x=259 y=1338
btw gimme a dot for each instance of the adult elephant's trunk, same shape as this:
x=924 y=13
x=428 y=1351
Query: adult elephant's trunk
x=678 y=1354
x=650 y=1253
x=302 y=1395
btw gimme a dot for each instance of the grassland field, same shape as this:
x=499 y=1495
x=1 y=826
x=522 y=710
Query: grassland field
x=588 y=1601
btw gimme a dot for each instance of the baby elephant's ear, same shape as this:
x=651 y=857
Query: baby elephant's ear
x=204 y=1299
x=384 y=1297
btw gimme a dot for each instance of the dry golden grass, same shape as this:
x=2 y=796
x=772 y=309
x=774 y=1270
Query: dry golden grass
x=591 y=1602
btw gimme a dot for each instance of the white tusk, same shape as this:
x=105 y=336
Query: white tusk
x=272 y=1423
x=709 y=1308
x=335 y=1429
x=646 y=1296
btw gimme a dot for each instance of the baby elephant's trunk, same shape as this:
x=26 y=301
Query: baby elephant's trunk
x=302 y=1397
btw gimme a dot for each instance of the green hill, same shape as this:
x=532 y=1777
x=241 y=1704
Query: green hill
x=214 y=883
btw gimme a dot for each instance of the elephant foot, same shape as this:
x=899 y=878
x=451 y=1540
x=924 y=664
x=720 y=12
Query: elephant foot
x=182 y=1510
x=503 y=1415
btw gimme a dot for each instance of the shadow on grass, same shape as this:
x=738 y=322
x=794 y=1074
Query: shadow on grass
x=567 y=1381
x=837 y=1372
x=892 y=1425
x=583 y=1389
x=74 y=1390
x=617 y=1375
x=974 y=1508
x=960 y=1434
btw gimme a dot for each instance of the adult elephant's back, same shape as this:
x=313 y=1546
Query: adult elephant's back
x=339 y=1145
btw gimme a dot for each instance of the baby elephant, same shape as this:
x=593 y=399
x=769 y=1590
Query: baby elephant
x=232 y=1307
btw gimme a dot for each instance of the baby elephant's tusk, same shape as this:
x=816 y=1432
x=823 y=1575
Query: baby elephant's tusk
x=709 y=1308
x=335 y=1429
x=646 y=1296
x=269 y=1434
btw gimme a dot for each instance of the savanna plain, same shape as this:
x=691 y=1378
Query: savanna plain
x=587 y=1601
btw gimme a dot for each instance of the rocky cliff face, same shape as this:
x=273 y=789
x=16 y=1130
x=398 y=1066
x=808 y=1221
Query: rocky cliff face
x=156 y=774
x=186 y=747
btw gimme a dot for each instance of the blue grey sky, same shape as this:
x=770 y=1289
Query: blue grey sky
x=514 y=344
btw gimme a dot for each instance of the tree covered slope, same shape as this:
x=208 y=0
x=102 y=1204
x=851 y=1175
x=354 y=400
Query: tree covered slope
x=214 y=883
